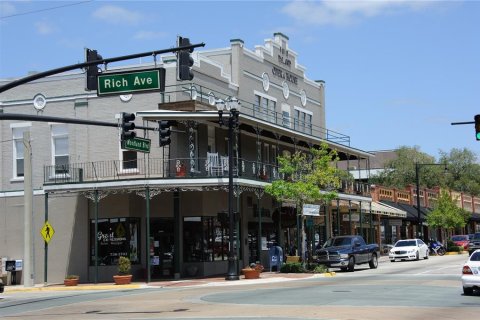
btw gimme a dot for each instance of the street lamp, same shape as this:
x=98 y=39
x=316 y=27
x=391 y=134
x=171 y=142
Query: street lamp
x=231 y=105
x=417 y=179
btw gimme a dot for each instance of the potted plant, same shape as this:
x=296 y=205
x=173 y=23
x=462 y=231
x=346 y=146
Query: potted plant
x=252 y=271
x=71 y=280
x=124 y=267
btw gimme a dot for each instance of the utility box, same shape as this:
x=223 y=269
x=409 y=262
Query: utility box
x=15 y=268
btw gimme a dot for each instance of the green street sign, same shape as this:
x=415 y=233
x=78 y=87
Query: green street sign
x=131 y=81
x=137 y=144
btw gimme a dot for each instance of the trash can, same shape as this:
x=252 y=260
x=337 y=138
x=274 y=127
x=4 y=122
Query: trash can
x=275 y=254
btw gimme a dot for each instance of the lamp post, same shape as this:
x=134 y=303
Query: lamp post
x=231 y=105
x=417 y=179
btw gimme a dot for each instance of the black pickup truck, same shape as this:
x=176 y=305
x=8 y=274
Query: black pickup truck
x=345 y=252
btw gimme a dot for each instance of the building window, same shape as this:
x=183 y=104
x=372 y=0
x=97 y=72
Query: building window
x=116 y=237
x=60 y=155
x=205 y=239
x=303 y=120
x=286 y=115
x=18 y=148
x=129 y=160
x=265 y=107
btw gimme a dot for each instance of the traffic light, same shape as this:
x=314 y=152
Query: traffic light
x=127 y=126
x=92 y=71
x=184 y=60
x=164 y=132
x=477 y=127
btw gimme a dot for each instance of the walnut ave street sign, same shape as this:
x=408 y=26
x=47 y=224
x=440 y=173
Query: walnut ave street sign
x=137 y=144
x=131 y=81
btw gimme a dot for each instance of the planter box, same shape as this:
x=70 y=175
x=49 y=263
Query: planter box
x=122 y=279
x=251 y=273
x=70 y=282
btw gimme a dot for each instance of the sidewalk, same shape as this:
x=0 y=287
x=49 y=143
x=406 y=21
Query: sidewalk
x=265 y=277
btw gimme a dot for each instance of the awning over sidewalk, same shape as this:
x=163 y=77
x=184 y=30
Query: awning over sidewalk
x=376 y=207
x=383 y=209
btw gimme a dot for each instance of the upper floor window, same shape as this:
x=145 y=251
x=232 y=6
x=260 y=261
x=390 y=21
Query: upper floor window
x=18 y=148
x=60 y=155
x=265 y=107
x=302 y=120
x=286 y=115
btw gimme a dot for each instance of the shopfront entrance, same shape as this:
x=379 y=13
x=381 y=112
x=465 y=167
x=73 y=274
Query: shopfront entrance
x=161 y=247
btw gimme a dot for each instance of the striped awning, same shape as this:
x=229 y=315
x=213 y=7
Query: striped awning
x=383 y=209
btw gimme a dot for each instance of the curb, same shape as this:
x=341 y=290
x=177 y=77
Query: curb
x=455 y=253
x=87 y=287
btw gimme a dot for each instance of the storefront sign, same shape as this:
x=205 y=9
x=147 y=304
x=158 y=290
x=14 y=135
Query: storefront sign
x=311 y=210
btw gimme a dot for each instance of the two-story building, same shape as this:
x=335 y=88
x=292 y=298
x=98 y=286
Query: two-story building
x=166 y=209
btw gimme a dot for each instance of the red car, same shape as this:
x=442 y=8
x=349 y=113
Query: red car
x=461 y=241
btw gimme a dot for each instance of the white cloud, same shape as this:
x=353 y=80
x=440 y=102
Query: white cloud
x=44 y=28
x=7 y=9
x=149 y=35
x=345 y=12
x=117 y=15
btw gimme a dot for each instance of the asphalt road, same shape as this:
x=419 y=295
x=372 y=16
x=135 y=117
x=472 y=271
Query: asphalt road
x=425 y=289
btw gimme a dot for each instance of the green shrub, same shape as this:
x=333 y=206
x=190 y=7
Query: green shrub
x=316 y=268
x=455 y=249
x=124 y=266
x=292 y=267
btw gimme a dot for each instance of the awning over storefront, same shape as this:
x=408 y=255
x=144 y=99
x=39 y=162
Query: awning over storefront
x=381 y=208
x=384 y=209
x=376 y=207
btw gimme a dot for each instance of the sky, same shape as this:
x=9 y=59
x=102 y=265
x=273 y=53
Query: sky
x=397 y=73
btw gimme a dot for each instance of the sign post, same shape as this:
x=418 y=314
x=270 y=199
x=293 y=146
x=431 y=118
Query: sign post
x=131 y=81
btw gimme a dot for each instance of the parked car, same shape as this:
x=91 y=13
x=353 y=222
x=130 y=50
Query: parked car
x=461 y=241
x=345 y=252
x=474 y=243
x=471 y=273
x=409 y=249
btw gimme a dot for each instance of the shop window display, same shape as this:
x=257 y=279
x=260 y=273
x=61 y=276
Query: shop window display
x=116 y=237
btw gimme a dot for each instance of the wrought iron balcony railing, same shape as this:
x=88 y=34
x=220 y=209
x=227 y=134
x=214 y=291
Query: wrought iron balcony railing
x=178 y=168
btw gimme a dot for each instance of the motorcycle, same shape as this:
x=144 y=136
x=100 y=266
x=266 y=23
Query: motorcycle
x=436 y=248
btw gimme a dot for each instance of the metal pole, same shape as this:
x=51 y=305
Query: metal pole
x=259 y=238
x=147 y=199
x=96 y=236
x=417 y=180
x=232 y=258
x=27 y=213
x=45 y=273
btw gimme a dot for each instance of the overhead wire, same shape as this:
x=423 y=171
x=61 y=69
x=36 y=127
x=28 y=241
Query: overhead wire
x=45 y=9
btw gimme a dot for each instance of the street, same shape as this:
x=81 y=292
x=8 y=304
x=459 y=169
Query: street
x=425 y=289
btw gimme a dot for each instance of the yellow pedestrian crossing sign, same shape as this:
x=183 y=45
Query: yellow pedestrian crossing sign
x=47 y=232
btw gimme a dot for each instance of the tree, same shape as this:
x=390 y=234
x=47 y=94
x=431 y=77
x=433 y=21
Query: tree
x=464 y=171
x=446 y=215
x=400 y=172
x=308 y=178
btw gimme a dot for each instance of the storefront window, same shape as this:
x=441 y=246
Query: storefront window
x=116 y=237
x=205 y=239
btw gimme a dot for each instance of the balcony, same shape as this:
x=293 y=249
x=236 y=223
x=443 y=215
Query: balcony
x=181 y=168
x=178 y=168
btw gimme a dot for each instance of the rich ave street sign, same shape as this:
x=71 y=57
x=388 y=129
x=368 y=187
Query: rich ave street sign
x=131 y=81
x=137 y=144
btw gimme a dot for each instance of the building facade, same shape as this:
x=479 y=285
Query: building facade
x=166 y=209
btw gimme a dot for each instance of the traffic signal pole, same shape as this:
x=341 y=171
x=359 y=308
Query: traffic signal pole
x=40 y=75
